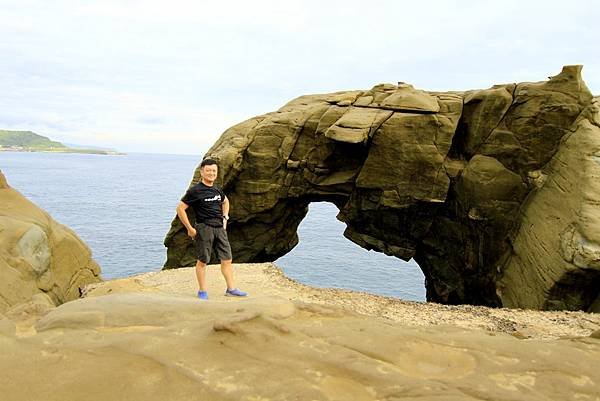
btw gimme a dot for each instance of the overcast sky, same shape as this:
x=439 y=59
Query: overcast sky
x=171 y=76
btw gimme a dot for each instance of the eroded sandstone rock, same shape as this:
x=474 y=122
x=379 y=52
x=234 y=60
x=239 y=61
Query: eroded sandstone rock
x=38 y=255
x=556 y=259
x=493 y=192
x=159 y=346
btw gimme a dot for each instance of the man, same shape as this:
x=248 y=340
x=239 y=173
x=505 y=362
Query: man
x=211 y=208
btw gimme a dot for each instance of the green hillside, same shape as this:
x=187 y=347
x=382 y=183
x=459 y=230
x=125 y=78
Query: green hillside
x=28 y=140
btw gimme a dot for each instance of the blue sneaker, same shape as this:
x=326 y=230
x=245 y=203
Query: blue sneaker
x=203 y=295
x=235 y=293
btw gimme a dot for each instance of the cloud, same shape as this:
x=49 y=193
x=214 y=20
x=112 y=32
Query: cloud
x=135 y=73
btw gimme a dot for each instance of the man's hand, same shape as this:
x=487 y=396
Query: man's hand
x=192 y=232
x=224 y=223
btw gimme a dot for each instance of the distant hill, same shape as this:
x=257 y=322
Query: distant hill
x=27 y=141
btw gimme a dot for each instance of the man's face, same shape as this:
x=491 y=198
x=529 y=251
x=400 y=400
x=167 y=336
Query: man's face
x=209 y=173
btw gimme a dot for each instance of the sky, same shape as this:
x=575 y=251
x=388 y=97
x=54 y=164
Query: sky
x=172 y=76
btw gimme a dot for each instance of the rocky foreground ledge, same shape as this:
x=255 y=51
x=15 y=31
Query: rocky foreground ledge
x=149 y=338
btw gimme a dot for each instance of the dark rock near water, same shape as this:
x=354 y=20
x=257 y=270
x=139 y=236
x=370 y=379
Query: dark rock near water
x=493 y=192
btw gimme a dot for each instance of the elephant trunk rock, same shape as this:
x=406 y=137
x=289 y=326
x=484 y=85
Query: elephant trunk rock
x=493 y=192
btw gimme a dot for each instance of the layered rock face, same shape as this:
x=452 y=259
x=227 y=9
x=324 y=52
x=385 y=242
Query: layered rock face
x=38 y=255
x=493 y=192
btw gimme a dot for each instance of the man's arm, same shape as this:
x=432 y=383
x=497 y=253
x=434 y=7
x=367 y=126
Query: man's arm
x=225 y=212
x=181 y=213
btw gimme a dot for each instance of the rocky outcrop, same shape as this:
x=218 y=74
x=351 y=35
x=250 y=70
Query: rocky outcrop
x=38 y=255
x=556 y=259
x=491 y=191
x=152 y=339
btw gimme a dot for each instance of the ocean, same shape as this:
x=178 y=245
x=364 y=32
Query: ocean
x=122 y=207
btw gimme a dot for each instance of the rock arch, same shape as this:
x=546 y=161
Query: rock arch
x=449 y=178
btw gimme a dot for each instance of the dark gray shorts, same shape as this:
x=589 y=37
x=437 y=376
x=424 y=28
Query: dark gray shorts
x=209 y=238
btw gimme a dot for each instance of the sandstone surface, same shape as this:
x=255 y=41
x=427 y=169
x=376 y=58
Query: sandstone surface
x=41 y=261
x=149 y=338
x=493 y=192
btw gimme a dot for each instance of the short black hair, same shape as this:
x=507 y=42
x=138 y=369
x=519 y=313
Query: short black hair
x=208 y=162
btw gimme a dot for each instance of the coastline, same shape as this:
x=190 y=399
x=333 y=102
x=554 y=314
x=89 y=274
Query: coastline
x=69 y=150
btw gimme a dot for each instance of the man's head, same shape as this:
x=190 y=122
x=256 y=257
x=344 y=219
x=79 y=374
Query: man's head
x=208 y=171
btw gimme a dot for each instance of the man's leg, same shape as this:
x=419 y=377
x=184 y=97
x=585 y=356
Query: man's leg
x=224 y=252
x=203 y=244
x=201 y=275
x=227 y=271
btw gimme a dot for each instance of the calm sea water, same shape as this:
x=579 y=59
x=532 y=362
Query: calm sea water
x=122 y=207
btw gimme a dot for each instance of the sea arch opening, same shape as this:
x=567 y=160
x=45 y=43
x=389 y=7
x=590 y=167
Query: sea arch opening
x=323 y=257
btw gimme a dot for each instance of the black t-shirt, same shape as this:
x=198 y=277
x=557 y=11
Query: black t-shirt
x=207 y=203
